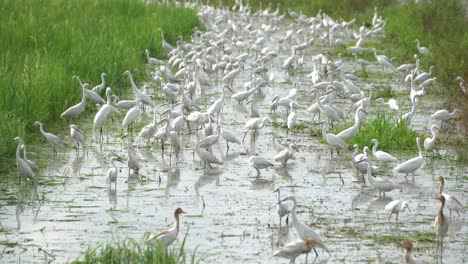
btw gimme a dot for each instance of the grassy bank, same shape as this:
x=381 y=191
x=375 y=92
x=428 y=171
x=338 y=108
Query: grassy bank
x=131 y=251
x=45 y=43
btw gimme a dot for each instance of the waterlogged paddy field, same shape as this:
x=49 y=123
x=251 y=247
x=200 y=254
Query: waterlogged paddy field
x=238 y=222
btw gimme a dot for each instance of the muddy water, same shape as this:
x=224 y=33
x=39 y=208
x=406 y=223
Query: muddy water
x=239 y=222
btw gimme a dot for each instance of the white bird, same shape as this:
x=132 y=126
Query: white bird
x=424 y=75
x=441 y=224
x=302 y=229
x=381 y=155
x=291 y=122
x=76 y=110
x=333 y=140
x=209 y=141
x=130 y=117
x=113 y=172
x=151 y=60
x=294 y=249
x=168 y=236
x=259 y=163
x=453 y=204
x=164 y=43
x=382 y=60
x=148 y=131
x=430 y=142
x=77 y=135
x=98 y=88
x=395 y=207
x=421 y=49
x=411 y=165
x=380 y=184
x=51 y=138
x=206 y=156
x=350 y=132
x=139 y=94
x=123 y=104
x=254 y=124
x=276 y=146
x=103 y=113
x=444 y=115
x=24 y=169
x=217 y=105
x=133 y=162
x=229 y=137
x=31 y=163
x=281 y=208
x=286 y=154
x=93 y=96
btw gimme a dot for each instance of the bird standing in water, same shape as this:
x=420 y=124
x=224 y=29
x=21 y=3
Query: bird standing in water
x=167 y=237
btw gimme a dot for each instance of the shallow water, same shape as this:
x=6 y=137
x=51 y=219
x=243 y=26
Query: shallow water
x=239 y=222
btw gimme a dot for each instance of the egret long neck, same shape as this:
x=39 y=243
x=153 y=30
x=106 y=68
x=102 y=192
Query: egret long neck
x=440 y=215
x=293 y=213
x=419 y=148
x=18 y=149
x=374 y=148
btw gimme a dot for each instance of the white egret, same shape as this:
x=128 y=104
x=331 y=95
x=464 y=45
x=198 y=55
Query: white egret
x=123 y=104
x=103 y=113
x=381 y=155
x=453 y=204
x=167 y=237
x=209 y=141
x=380 y=184
x=395 y=207
x=259 y=163
x=139 y=94
x=98 y=88
x=152 y=60
x=333 y=140
x=286 y=154
x=229 y=137
x=254 y=124
x=217 y=106
x=281 y=208
x=291 y=122
x=76 y=134
x=148 y=131
x=302 y=229
x=113 y=172
x=133 y=162
x=24 y=169
x=444 y=115
x=421 y=49
x=54 y=140
x=350 y=132
x=424 y=76
x=382 y=60
x=164 y=43
x=413 y=164
x=93 y=96
x=276 y=146
x=130 y=117
x=294 y=249
x=204 y=155
x=76 y=110
x=441 y=224
x=430 y=142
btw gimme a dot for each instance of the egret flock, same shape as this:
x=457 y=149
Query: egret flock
x=241 y=56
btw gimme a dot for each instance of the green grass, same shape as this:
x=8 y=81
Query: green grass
x=131 y=251
x=45 y=43
x=391 y=134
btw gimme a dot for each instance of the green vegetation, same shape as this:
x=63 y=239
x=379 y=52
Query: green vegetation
x=392 y=135
x=131 y=251
x=45 y=43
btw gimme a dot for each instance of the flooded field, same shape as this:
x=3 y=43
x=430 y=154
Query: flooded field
x=231 y=213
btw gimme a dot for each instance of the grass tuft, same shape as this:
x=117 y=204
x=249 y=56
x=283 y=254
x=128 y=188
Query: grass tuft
x=391 y=134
